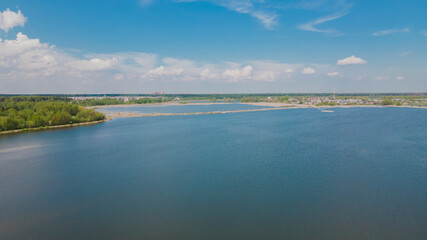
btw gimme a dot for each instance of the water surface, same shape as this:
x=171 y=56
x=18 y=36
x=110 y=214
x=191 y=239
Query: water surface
x=357 y=173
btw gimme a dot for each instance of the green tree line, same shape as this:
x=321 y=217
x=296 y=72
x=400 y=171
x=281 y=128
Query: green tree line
x=38 y=111
x=113 y=101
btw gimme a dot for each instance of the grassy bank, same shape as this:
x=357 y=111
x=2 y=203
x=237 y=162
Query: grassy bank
x=50 y=127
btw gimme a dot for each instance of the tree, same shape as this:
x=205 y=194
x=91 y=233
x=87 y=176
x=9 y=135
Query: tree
x=387 y=101
x=284 y=99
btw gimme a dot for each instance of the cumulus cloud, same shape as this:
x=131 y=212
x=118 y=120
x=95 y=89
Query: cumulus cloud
x=351 y=60
x=94 y=64
x=308 y=71
x=20 y=45
x=207 y=74
x=163 y=71
x=23 y=55
x=10 y=19
x=28 y=65
x=237 y=74
x=26 y=56
x=390 y=31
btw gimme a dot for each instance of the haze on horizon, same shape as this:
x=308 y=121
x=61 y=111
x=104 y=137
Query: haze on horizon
x=196 y=46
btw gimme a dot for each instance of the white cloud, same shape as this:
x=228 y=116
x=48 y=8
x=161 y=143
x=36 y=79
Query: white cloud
x=207 y=74
x=269 y=12
x=400 y=78
x=265 y=76
x=10 y=19
x=21 y=44
x=424 y=33
x=351 y=60
x=235 y=75
x=164 y=71
x=28 y=65
x=28 y=56
x=390 y=31
x=269 y=20
x=308 y=71
x=94 y=64
x=312 y=26
x=253 y=8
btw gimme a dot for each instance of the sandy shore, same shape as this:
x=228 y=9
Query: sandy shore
x=132 y=114
x=161 y=104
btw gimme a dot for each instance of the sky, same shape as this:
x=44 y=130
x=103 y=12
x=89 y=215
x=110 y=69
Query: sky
x=212 y=46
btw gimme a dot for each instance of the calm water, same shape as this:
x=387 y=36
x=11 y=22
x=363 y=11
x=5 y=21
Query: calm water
x=183 y=108
x=358 y=173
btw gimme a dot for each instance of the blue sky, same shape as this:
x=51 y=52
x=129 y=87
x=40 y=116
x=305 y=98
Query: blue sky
x=190 y=46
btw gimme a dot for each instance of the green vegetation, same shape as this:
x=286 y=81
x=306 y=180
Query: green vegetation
x=326 y=104
x=100 y=102
x=389 y=101
x=113 y=101
x=145 y=101
x=38 y=111
x=284 y=99
x=250 y=99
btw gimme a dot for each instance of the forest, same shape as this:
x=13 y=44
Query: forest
x=21 y=112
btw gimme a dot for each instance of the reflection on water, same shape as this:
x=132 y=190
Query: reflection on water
x=356 y=173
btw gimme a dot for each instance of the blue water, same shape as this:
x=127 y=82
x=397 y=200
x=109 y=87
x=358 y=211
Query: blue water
x=182 y=108
x=358 y=173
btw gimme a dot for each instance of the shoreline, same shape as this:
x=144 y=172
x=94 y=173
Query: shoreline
x=263 y=104
x=130 y=114
x=160 y=104
x=52 y=127
x=272 y=107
